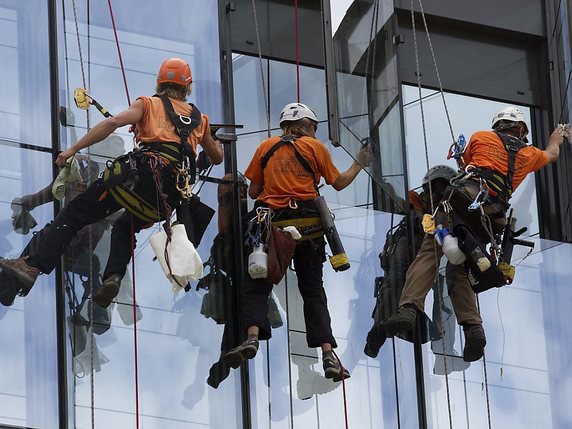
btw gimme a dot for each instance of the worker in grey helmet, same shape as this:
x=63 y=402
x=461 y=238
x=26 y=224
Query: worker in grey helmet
x=396 y=258
x=421 y=275
x=495 y=163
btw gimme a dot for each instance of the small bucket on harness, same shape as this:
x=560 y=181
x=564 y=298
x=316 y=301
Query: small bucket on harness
x=482 y=269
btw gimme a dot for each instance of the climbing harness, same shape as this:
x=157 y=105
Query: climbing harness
x=339 y=260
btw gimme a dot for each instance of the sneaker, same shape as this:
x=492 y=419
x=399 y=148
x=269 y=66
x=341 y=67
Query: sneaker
x=25 y=274
x=333 y=369
x=475 y=342
x=401 y=322
x=247 y=350
x=107 y=292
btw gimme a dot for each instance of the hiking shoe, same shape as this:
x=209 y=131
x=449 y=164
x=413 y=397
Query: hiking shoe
x=401 y=322
x=475 y=342
x=108 y=290
x=375 y=339
x=247 y=350
x=333 y=369
x=25 y=274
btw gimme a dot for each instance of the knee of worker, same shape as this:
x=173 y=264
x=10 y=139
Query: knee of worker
x=123 y=227
x=456 y=276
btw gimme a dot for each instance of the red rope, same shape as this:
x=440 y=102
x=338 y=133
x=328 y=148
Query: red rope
x=119 y=52
x=135 y=324
x=343 y=389
x=297 y=52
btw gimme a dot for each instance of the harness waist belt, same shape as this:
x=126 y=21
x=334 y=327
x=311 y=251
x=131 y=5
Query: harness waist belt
x=309 y=227
x=171 y=151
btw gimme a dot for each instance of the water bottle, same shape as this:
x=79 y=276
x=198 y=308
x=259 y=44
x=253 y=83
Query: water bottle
x=258 y=263
x=450 y=246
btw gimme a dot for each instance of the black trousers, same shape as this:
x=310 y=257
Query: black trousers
x=309 y=257
x=92 y=206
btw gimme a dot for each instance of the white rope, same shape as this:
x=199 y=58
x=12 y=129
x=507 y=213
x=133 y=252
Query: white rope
x=266 y=101
x=437 y=71
x=440 y=296
x=90 y=304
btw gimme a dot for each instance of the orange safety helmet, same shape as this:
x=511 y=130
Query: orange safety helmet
x=175 y=70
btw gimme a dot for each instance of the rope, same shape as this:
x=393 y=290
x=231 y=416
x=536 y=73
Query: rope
x=486 y=376
x=343 y=389
x=119 y=52
x=437 y=71
x=266 y=101
x=132 y=232
x=135 y=324
x=90 y=305
x=78 y=44
x=397 y=407
x=297 y=44
x=289 y=348
x=440 y=294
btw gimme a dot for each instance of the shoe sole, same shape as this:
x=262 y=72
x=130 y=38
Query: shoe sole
x=26 y=281
x=475 y=351
x=105 y=295
x=335 y=376
x=235 y=357
x=394 y=328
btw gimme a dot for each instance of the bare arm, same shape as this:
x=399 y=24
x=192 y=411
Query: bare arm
x=350 y=174
x=102 y=130
x=213 y=148
x=254 y=190
x=552 y=151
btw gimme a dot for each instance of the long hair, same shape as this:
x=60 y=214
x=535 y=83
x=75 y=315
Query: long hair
x=510 y=127
x=299 y=128
x=173 y=90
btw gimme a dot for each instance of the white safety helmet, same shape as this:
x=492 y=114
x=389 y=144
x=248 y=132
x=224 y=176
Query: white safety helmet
x=510 y=114
x=295 y=112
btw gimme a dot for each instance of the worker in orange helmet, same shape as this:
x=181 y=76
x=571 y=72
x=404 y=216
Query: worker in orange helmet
x=168 y=132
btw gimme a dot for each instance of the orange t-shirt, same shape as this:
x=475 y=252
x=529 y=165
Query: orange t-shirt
x=486 y=150
x=156 y=126
x=284 y=178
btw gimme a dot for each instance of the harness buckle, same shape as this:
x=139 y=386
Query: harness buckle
x=185 y=119
x=293 y=204
x=480 y=198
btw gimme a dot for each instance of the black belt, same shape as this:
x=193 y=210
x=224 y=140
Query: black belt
x=169 y=150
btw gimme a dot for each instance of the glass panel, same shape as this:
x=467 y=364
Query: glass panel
x=161 y=371
x=24 y=81
x=27 y=326
x=524 y=353
x=297 y=385
x=28 y=386
x=367 y=90
x=252 y=114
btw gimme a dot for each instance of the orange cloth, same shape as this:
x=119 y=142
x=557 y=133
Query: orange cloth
x=284 y=178
x=486 y=150
x=416 y=202
x=156 y=126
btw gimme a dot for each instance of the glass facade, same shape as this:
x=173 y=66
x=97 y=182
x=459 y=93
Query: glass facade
x=157 y=364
